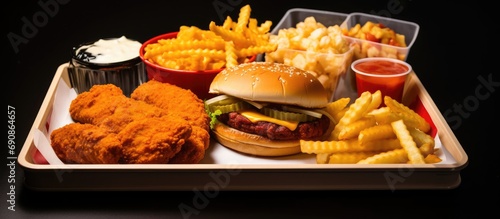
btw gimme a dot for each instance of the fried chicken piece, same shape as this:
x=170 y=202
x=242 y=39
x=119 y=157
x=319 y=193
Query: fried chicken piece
x=193 y=151
x=175 y=100
x=130 y=110
x=98 y=103
x=107 y=107
x=184 y=103
x=77 y=143
x=153 y=140
x=148 y=133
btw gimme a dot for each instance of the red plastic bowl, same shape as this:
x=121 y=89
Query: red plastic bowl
x=196 y=81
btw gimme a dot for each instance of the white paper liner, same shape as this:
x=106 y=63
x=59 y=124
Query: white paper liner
x=216 y=154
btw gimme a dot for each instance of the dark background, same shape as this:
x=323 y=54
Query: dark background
x=454 y=47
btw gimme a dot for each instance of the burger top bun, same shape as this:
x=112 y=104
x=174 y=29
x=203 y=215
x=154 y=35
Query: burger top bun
x=271 y=82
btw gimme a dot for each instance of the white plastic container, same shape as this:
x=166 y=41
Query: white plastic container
x=406 y=28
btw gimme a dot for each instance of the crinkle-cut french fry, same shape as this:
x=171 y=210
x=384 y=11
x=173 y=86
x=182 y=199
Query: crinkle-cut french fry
x=190 y=63
x=356 y=111
x=376 y=101
x=252 y=25
x=153 y=50
x=215 y=54
x=350 y=145
x=243 y=17
x=377 y=132
x=240 y=41
x=349 y=157
x=381 y=111
x=193 y=62
x=195 y=33
x=421 y=137
x=228 y=23
x=414 y=122
x=410 y=117
x=231 y=57
x=265 y=27
x=322 y=158
x=384 y=115
x=352 y=130
x=388 y=157
x=255 y=50
x=321 y=147
x=259 y=40
x=181 y=44
x=396 y=156
x=407 y=142
x=380 y=145
x=426 y=149
x=339 y=115
x=337 y=106
x=432 y=158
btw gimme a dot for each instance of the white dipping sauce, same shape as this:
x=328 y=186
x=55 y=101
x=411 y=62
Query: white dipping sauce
x=111 y=50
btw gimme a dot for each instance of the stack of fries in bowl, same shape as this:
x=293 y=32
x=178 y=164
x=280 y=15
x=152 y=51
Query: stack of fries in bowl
x=192 y=56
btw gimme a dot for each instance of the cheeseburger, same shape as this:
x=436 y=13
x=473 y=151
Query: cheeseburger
x=265 y=109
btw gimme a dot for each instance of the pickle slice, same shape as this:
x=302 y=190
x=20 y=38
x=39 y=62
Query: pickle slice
x=222 y=100
x=225 y=104
x=228 y=107
x=303 y=111
x=286 y=116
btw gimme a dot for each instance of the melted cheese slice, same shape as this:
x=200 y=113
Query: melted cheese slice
x=256 y=117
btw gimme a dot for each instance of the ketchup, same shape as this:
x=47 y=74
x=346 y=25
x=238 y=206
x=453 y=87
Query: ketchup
x=386 y=75
x=381 y=67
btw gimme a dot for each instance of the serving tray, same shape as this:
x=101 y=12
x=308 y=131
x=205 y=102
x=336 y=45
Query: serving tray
x=224 y=169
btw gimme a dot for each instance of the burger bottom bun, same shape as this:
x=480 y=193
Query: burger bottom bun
x=254 y=144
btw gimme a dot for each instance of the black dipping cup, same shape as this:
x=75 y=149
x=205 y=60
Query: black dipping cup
x=84 y=74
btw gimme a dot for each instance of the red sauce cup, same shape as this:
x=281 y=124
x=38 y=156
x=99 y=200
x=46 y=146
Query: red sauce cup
x=378 y=73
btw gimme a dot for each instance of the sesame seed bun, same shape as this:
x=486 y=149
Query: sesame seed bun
x=271 y=82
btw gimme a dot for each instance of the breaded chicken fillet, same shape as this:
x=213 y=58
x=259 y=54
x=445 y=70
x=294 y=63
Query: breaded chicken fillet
x=98 y=103
x=193 y=151
x=153 y=140
x=148 y=134
x=185 y=104
x=175 y=100
x=77 y=143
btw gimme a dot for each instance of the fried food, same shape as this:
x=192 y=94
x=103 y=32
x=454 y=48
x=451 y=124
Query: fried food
x=197 y=49
x=174 y=100
x=78 y=143
x=130 y=110
x=184 y=104
x=162 y=124
x=106 y=106
x=148 y=134
x=153 y=140
x=367 y=133
x=97 y=104
x=193 y=151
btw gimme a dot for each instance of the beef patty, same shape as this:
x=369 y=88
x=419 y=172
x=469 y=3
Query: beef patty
x=305 y=130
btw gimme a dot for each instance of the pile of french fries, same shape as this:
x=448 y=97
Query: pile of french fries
x=368 y=133
x=218 y=47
